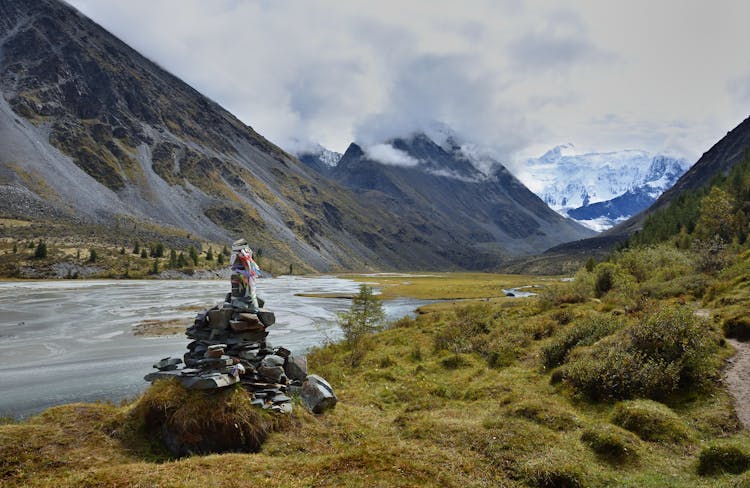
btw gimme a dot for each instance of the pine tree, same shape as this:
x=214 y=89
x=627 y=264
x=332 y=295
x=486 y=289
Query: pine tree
x=41 y=250
x=220 y=259
x=144 y=253
x=137 y=248
x=172 y=258
x=193 y=255
x=210 y=254
x=365 y=316
x=92 y=255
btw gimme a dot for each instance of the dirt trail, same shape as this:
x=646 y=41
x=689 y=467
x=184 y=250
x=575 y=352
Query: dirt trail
x=737 y=375
x=738 y=380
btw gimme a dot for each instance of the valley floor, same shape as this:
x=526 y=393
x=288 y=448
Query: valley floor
x=458 y=396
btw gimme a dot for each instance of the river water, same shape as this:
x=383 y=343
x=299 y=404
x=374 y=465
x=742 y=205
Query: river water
x=72 y=341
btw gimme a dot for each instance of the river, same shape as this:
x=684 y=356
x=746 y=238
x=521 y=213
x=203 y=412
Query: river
x=72 y=341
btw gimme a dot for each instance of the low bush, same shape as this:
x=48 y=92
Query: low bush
x=584 y=332
x=676 y=336
x=737 y=327
x=465 y=324
x=651 y=421
x=670 y=348
x=612 y=444
x=455 y=361
x=611 y=371
x=724 y=458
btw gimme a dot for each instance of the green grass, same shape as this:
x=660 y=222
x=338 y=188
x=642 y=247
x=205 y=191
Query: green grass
x=458 y=396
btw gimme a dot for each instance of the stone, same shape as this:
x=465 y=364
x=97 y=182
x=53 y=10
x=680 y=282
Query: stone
x=273 y=374
x=219 y=319
x=283 y=352
x=295 y=368
x=245 y=326
x=272 y=360
x=168 y=364
x=317 y=395
x=266 y=317
x=281 y=398
x=285 y=408
x=250 y=318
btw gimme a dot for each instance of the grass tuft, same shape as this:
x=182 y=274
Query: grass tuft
x=651 y=421
x=611 y=443
x=724 y=458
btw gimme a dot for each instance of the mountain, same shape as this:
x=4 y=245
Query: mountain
x=319 y=158
x=97 y=139
x=733 y=148
x=441 y=185
x=719 y=159
x=601 y=189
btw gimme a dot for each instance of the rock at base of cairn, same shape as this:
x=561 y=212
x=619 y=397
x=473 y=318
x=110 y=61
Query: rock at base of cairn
x=295 y=368
x=317 y=395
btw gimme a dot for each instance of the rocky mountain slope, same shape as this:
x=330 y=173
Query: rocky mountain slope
x=429 y=183
x=601 y=189
x=92 y=133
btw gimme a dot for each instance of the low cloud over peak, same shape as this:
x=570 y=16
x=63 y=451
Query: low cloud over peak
x=513 y=76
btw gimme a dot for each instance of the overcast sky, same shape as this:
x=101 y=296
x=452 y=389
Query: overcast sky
x=516 y=76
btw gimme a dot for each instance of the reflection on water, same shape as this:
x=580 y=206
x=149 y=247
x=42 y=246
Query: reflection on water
x=69 y=341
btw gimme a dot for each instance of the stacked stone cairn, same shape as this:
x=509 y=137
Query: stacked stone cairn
x=229 y=346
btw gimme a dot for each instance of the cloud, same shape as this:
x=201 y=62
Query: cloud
x=559 y=42
x=387 y=154
x=515 y=77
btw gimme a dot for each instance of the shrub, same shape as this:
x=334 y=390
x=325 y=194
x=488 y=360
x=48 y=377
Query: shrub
x=611 y=443
x=651 y=421
x=610 y=371
x=454 y=361
x=604 y=279
x=737 y=328
x=41 y=250
x=467 y=323
x=675 y=335
x=723 y=458
x=583 y=333
x=669 y=348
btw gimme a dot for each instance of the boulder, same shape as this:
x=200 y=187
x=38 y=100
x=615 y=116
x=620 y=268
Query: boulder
x=317 y=395
x=295 y=368
x=272 y=374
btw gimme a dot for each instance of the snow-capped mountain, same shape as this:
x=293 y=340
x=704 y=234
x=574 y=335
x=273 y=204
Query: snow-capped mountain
x=319 y=158
x=601 y=189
